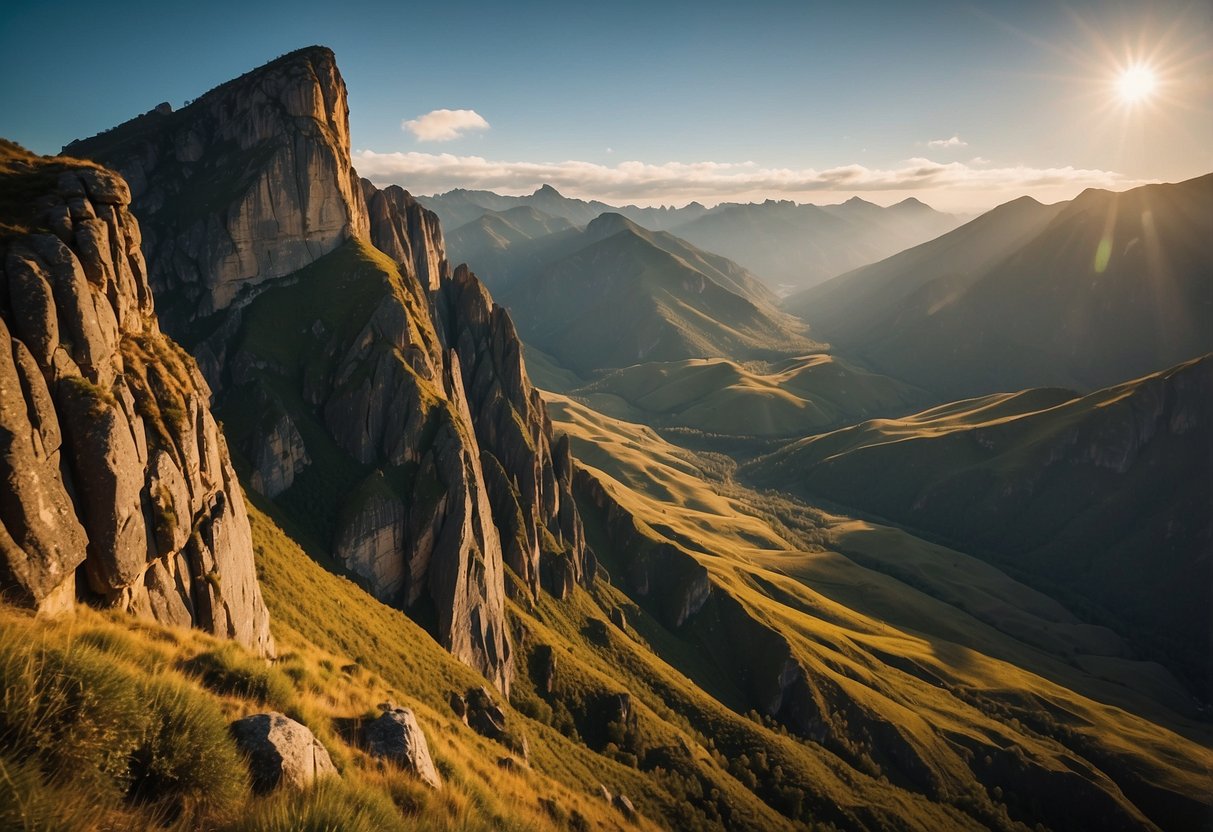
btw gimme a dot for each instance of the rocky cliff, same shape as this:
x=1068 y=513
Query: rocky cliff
x=377 y=398
x=529 y=477
x=117 y=484
x=250 y=182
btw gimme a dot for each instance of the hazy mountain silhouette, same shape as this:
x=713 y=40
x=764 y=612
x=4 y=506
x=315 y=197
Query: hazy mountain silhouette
x=1079 y=294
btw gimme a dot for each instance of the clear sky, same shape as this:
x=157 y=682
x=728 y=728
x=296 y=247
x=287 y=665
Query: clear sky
x=961 y=104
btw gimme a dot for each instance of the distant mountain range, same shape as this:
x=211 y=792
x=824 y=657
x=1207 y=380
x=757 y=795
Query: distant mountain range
x=616 y=294
x=789 y=246
x=1081 y=294
x=461 y=206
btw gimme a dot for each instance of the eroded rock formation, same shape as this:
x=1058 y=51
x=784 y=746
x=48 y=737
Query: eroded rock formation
x=117 y=484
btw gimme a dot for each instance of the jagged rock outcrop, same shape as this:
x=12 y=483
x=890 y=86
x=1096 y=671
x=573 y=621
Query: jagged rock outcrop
x=529 y=476
x=657 y=571
x=282 y=753
x=250 y=182
x=408 y=233
x=117 y=485
x=277 y=454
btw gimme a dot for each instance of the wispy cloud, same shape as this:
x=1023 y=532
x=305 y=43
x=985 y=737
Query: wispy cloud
x=714 y=181
x=444 y=125
x=955 y=141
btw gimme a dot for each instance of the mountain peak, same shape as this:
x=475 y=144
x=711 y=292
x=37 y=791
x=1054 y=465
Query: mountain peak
x=547 y=190
x=609 y=224
x=912 y=204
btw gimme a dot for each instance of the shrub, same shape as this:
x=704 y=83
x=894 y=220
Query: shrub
x=72 y=712
x=228 y=669
x=28 y=803
x=186 y=760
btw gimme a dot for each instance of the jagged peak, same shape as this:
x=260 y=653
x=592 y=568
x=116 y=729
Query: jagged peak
x=547 y=190
x=309 y=65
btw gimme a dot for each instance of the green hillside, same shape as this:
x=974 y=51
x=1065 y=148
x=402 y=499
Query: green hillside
x=626 y=297
x=1098 y=499
x=792 y=397
x=934 y=660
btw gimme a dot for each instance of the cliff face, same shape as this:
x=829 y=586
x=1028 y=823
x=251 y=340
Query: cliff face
x=117 y=483
x=378 y=399
x=250 y=182
x=529 y=478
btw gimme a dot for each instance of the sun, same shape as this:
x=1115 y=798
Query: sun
x=1136 y=84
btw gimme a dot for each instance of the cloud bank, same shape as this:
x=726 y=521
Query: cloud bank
x=955 y=141
x=710 y=182
x=444 y=125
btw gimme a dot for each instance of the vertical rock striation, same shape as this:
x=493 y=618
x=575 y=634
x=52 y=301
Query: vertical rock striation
x=116 y=482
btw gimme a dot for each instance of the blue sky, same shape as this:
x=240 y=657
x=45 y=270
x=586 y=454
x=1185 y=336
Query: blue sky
x=662 y=102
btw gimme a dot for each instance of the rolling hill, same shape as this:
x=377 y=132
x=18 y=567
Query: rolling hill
x=715 y=396
x=1099 y=497
x=1081 y=295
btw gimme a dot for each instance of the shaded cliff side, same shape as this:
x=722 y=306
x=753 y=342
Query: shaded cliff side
x=118 y=487
x=1098 y=497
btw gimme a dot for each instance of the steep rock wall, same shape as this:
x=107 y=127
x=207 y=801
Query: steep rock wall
x=117 y=485
x=250 y=182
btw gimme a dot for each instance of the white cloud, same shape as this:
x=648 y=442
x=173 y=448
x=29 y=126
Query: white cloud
x=444 y=125
x=955 y=141
x=722 y=181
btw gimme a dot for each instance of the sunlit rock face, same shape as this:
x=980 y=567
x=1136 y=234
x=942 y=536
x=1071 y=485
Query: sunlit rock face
x=250 y=182
x=117 y=484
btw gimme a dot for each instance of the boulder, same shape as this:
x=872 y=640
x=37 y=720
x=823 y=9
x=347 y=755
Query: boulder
x=396 y=736
x=621 y=802
x=619 y=619
x=281 y=752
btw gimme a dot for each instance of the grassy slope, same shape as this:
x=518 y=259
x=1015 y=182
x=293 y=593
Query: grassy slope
x=622 y=299
x=895 y=632
x=793 y=397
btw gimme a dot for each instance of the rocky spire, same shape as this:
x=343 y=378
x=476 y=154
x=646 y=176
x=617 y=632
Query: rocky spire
x=418 y=394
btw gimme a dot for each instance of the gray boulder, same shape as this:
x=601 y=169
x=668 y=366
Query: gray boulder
x=396 y=736
x=281 y=752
